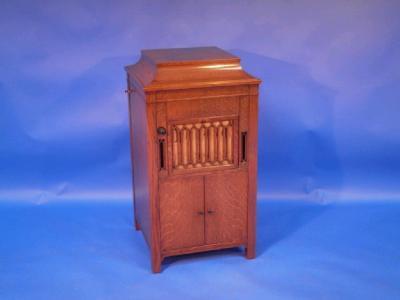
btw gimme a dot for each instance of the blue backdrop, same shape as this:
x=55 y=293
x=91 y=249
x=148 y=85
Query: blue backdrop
x=329 y=148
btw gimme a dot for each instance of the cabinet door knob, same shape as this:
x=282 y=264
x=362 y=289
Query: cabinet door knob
x=210 y=211
x=161 y=131
x=201 y=213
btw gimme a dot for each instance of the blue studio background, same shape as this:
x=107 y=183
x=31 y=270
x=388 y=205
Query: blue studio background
x=329 y=149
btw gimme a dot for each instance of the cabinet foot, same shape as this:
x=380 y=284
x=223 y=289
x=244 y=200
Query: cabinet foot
x=156 y=265
x=250 y=252
x=137 y=225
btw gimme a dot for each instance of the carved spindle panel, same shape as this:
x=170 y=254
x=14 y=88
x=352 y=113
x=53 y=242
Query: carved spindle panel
x=202 y=144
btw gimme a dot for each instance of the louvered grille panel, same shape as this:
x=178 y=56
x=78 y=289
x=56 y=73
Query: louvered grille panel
x=203 y=144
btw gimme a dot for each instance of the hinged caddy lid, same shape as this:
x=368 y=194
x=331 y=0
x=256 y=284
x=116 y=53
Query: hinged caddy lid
x=177 y=68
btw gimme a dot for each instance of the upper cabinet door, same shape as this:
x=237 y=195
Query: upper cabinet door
x=182 y=212
x=202 y=135
x=226 y=207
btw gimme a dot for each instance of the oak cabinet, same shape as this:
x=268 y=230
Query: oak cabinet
x=193 y=119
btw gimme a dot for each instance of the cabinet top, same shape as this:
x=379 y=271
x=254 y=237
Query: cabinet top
x=185 y=56
x=181 y=68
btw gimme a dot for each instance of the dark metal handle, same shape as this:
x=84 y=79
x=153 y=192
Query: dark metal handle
x=244 y=146
x=161 y=152
x=210 y=211
x=201 y=213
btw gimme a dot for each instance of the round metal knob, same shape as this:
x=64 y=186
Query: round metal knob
x=161 y=131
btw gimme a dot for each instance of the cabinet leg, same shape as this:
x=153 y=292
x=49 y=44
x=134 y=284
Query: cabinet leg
x=156 y=264
x=250 y=252
x=137 y=225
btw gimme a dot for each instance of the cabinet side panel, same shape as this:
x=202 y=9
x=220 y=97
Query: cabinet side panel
x=252 y=161
x=140 y=168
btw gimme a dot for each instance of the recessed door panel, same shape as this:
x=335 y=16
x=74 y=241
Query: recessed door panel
x=182 y=212
x=226 y=207
x=203 y=108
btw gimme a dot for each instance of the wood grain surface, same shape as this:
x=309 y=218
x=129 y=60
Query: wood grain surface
x=226 y=207
x=182 y=212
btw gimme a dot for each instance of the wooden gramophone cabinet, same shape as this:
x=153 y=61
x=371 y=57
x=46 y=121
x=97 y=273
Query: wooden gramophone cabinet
x=193 y=119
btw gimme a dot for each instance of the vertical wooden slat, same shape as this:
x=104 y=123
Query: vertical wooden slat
x=229 y=143
x=202 y=145
x=198 y=127
x=188 y=146
x=194 y=145
x=225 y=142
x=220 y=138
x=207 y=143
x=184 y=147
x=211 y=144
x=175 y=147
x=179 y=134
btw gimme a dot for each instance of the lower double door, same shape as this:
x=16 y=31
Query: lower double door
x=203 y=210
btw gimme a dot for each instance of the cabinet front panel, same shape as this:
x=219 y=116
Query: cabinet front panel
x=181 y=212
x=226 y=207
